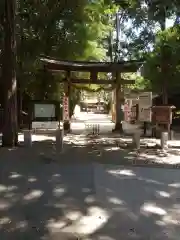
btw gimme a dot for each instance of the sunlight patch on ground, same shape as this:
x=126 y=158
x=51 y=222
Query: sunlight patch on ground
x=109 y=149
x=169 y=159
x=37 y=138
x=34 y=194
x=175 y=185
x=163 y=194
x=90 y=199
x=3 y=188
x=4 y=205
x=59 y=191
x=173 y=143
x=4 y=221
x=170 y=220
x=12 y=188
x=95 y=219
x=73 y=215
x=151 y=208
x=15 y=175
x=22 y=225
x=147 y=180
x=125 y=172
x=115 y=200
x=32 y=179
x=75 y=138
x=56 y=225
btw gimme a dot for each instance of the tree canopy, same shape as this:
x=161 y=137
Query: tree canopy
x=80 y=30
x=87 y=30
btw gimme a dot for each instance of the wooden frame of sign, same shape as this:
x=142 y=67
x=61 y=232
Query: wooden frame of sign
x=56 y=116
x=162 y=114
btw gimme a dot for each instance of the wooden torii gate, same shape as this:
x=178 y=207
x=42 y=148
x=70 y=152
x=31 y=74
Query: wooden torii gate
x=94 y=68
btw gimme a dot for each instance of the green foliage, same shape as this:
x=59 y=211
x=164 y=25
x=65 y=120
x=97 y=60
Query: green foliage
x=68 y=30
x=146 y=18
x=168 y=40
x=79 y=30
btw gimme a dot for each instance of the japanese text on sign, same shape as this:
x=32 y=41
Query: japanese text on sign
x=65 y=108
x=162 y=115
x=145 y=114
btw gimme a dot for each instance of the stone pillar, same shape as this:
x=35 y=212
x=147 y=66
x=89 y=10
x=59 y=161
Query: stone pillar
x=66 y=114
x=118 y=104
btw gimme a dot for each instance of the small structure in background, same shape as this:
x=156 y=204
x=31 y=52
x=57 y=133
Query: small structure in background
x=162 y=118
x=44 y=117
x=93 y=129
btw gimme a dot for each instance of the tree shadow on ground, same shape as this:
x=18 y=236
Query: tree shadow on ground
x=143 y=202
x=43 y=200
x=62 y=197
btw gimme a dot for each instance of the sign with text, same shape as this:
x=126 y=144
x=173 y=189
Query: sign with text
x=162 y=114
x=42 y=110
x=65 y=108
x=145 y=99
x=145 y=114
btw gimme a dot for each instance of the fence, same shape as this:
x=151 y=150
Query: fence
x=93 y=129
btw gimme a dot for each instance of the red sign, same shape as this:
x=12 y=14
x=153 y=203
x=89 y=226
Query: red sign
x=127 y=113
x=65 y=108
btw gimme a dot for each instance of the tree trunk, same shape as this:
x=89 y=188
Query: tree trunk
x=164 y=60
x=10 y=128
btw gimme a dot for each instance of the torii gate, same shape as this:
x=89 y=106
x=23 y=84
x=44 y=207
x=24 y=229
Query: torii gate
x=94 y=68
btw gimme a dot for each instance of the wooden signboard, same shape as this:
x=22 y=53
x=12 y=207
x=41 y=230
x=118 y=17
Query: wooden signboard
x=162 y=114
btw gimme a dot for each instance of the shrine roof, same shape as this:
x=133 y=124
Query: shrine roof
x=122 y=66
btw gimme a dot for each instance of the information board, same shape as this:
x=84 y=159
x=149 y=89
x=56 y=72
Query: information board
x=145 y=114
x=42 y=110
x=162 y=115
x=145 y=99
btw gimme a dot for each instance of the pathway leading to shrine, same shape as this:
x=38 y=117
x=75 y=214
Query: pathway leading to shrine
x=48 y=200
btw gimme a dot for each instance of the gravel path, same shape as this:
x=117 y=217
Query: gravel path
x=90 y=190
x=45 y=197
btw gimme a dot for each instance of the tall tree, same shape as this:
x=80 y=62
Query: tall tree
x=10 y=128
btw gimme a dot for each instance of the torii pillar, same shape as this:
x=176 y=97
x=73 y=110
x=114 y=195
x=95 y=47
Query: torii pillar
x=119 y=99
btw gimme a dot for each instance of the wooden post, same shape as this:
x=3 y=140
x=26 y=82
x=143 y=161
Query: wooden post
x=118 y=99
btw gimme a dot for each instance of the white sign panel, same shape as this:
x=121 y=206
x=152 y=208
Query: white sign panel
x=45 y=125
x=44 y=110
x=145 y=99
x=65 y=108
x=145 y=114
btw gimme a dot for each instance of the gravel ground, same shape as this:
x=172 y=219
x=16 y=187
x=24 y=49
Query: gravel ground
x=90 y=191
